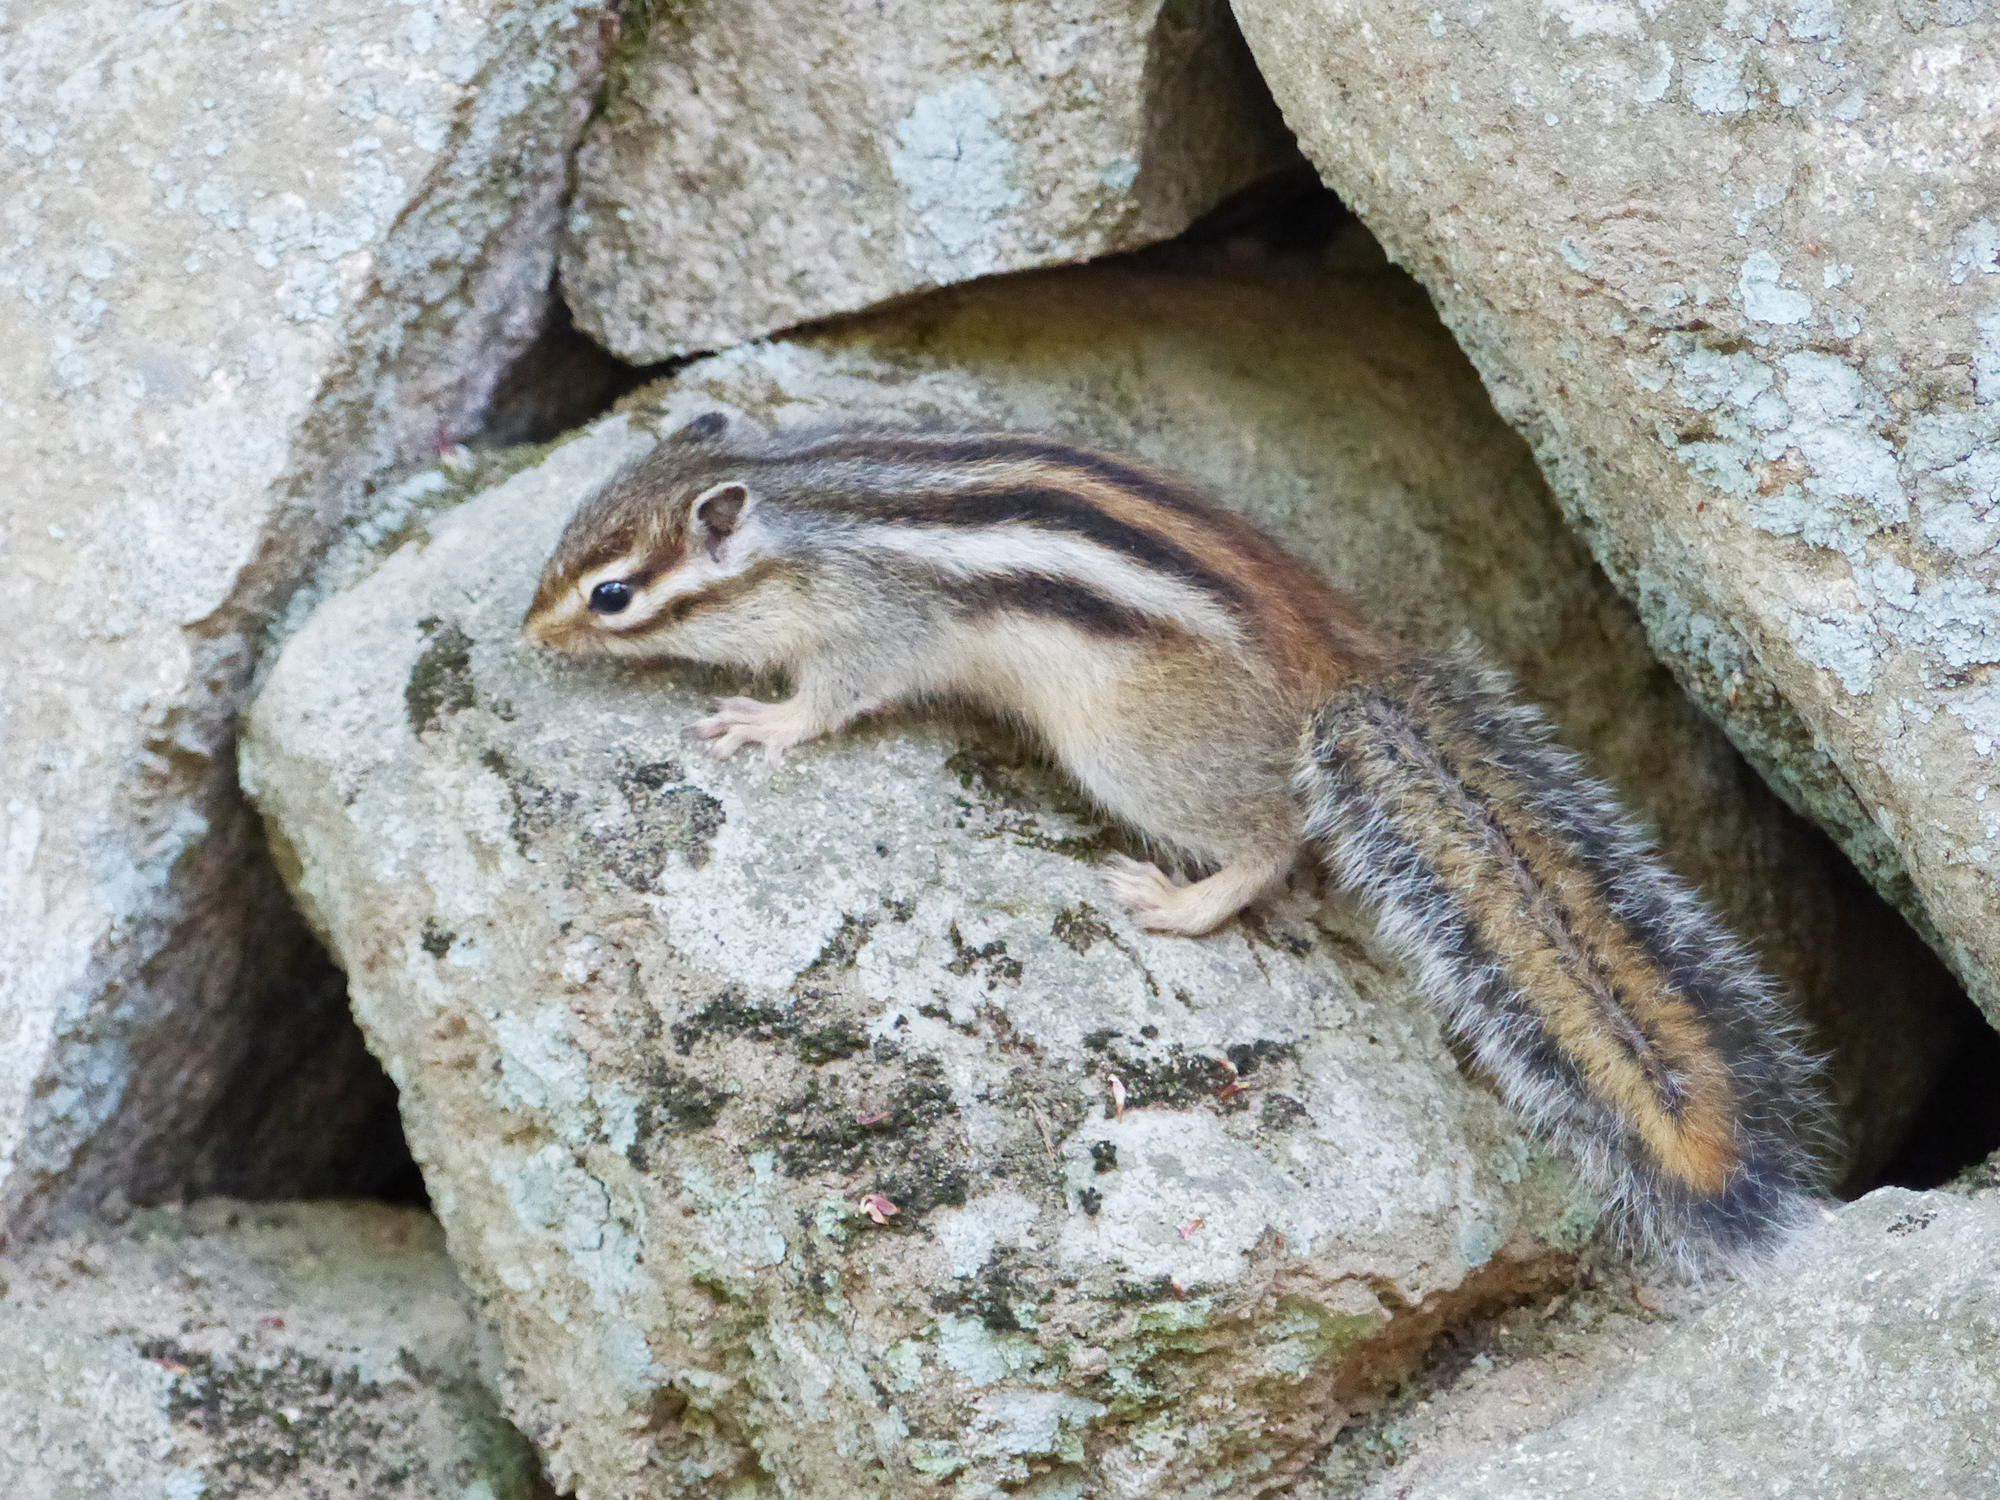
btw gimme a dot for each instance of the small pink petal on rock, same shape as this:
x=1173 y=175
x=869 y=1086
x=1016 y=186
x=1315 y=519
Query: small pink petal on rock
x=879 y=1208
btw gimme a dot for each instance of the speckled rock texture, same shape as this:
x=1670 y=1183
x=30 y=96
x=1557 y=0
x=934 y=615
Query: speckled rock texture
x=256 y=255
x=757 y=167
x=1865 y=1364
x=298 y=1352
x=771 y=1109
x=1734 y=269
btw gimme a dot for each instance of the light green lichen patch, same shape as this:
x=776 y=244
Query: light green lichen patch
x=982 y=1356
x=1306 y=1337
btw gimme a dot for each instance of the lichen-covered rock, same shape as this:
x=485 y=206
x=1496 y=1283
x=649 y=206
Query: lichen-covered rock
x=1734 y=269
x=674 y=1035
x=1866 y=1364
x=255 y=257
x=231 y=1349
x=757 y=166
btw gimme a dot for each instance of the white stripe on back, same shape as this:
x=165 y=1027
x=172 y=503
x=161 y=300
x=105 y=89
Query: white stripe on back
x=1000 y=551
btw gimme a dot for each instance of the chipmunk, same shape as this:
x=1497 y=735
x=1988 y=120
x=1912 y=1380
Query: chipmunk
x=1218 y=696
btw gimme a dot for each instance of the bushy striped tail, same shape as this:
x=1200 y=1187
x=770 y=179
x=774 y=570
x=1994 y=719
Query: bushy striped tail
x=1619 y=1017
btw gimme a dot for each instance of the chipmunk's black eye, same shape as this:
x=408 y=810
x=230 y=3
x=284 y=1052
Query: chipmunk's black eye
x=610 y=598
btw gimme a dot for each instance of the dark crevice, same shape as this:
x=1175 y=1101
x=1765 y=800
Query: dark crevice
x=295 y=1107
x=1922 y=1136
x=1288 y=213
x=316 y=1097
x=1959 y=1123
x=561 y=381
x=257 y=1084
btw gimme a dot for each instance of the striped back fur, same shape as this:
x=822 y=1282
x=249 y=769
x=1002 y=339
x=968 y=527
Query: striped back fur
x=1618 y=1016
x=1000 y=521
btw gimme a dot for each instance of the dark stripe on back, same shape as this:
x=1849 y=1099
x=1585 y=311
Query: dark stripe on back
x=1047 y=598
x=1160 y=489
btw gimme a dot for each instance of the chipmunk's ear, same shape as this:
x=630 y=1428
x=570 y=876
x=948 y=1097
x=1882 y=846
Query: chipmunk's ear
x=705 y=428
x=719 y=512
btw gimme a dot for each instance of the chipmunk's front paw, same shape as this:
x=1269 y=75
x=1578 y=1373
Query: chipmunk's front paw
x=737 y=722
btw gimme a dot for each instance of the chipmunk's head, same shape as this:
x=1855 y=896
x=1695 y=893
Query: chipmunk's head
x=647 y=554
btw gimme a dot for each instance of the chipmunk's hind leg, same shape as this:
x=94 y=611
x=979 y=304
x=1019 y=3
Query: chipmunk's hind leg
x=1156 y=903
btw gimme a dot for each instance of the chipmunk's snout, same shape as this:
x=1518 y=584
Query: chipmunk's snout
x=536 y=628
x=556 y=618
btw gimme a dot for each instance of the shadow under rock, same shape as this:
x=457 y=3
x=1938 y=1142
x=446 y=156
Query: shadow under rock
x=558 y=383
x=315 y=1081
x=288 y=1103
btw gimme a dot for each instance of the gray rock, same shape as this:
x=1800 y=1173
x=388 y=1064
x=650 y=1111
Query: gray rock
x=255 y=259
x=1732 y=269
x=250 y=1350
x=662 y=1025
x=1507 y=1378
x=1865 y=1364
x=755 y=167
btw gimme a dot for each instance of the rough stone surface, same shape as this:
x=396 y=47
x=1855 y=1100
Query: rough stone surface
x=754 y=169
x=1866 y=1364
x=1499 y=1386
x=1734 y=270
x=661 y=1025
x=255 y=256
x=1484 y=1387
x=229 y=1349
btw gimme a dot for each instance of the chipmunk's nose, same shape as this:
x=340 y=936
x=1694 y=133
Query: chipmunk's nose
x=540 y=626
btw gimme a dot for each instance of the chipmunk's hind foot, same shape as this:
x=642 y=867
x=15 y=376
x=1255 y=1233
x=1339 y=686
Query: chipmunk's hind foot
x=1159 y=905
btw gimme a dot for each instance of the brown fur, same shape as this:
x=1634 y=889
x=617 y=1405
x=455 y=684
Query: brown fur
x=1640 y=1048
x=1312 y=637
